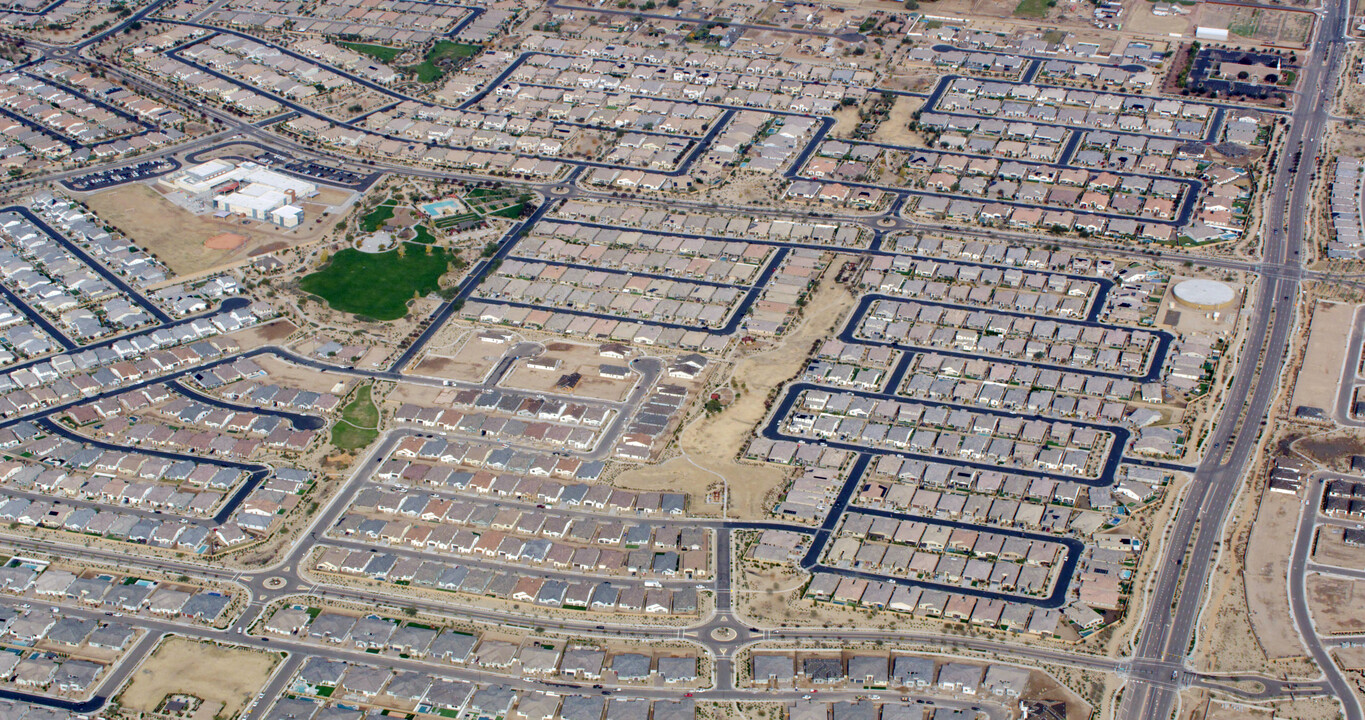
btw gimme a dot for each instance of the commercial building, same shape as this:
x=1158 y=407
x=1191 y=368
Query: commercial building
x=245 y=189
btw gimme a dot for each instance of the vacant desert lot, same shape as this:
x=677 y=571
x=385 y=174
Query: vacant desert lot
x=1331 y=549
x=710 y=445
x=1267 y=558
x=221 y=676
x=573 y=357
x=177 y=236
x=1316 y=385
x=1335 y=603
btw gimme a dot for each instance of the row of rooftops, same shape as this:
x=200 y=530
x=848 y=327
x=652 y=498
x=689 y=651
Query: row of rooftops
x=510 y=583
x=873 y=671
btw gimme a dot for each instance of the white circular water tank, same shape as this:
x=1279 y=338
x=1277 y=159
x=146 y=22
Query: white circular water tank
x=1206 y=294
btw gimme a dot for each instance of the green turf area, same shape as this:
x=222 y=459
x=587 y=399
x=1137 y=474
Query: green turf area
x=453 y=220
x=423 y=235
x=430 y=71
x=359 y=423
x=378 y=285
x=1031 y=9
x=497 y=202
x=382 y=53
x=378 y=216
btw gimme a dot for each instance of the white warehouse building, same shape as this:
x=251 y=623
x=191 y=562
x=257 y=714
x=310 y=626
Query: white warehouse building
x=259 y=201
x=246 y=189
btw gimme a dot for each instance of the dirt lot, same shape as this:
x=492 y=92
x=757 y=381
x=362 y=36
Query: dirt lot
x=287 y=374
x=332 y=197
x=1352 y=658
x=714 y=442
x=573 y=357
x=1331 y=550
x=1335 y=604
x=1316 y=385
x=1044 y=688
x=223 y=677
x=1267 y=559
x=467 y=359
x=267 y=334
x=845 y=121
x=176 y=236
x=1283 y=28
x=1351 y=143
x=676 y=474
x=1199 y=706
x=1140 y=20
x=895 y=128
x=1350 y=99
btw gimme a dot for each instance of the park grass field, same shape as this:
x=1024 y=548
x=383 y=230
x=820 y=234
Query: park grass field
x=376 y=218
x=430 y=71
x=378 y=285
x=382 y=53
x=359 y=423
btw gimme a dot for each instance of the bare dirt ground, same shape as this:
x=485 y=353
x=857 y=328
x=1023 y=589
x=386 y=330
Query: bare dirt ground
x=1332 y=450
x=1248 y=25
x=913 y=78
x=1330 y=549
x=1350 y=141
x=845 y=121
x=1308 y=709
x=466 y=358
x=1205 y=708
x=1229 y=642
x=1197 y=705
x=1141 y=20
x=573 y=357
x=176 y=236
x=1350 y=98
x=1267 y=560
x=896 y=127
x=676 y=474
x=1351 y=658
x=1335 y=604
x=286 y=374
x=332 y=197
x=1316 y=385
x=714 y=442
x=220 y=675
x=1042 y=687
x=268 y=334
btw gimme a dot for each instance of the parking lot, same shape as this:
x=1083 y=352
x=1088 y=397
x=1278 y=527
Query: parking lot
x=102 y=179
x=315 y=171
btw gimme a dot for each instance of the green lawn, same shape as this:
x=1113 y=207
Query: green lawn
x=423 y=235
x=498 y=202
x=378 y=216
x=430 y=71
x=382 y=53
x=453 y=220
x=377 y=285
x=1036 y=9
x=359 y=423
